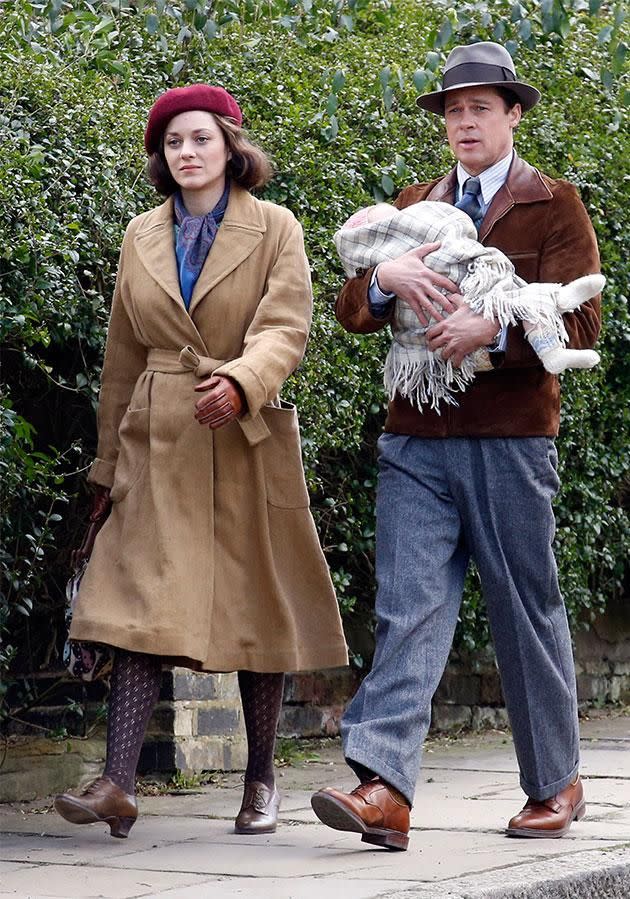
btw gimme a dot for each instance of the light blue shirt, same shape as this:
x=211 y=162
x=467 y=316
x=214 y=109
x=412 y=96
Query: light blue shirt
x=491 y=180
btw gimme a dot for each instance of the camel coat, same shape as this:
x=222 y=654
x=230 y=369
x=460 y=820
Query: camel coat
x=210 y=556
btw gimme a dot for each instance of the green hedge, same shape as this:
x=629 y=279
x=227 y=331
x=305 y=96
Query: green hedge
x=333 y=101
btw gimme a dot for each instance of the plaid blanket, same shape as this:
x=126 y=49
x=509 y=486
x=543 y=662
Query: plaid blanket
x=486 y=280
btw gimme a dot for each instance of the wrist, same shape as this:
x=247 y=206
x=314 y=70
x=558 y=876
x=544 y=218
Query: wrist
x=380 y=278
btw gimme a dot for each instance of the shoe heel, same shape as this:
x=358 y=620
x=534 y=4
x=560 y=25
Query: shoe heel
x=394 y=841
x=580 y=812
x=120 y=827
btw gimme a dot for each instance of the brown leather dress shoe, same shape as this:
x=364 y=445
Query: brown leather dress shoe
x=374 y=809
x=104 y=801
x=551 y=817
x=259 y=810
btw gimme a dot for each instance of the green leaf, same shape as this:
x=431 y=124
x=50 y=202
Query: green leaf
x=420 y=80
x=388 y=185
x=590 y=73
x=105 y=24
x=338 y=81
x=210 y=28
x=444 y=34
x=619 y=58
x=384 y=76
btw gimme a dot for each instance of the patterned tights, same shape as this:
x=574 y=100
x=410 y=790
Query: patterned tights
x=261 y=697
x=135 y=686
x=134 y=689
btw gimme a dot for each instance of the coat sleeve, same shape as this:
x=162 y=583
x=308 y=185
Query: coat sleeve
x=276 y=338
x=125 y=360
x=569 y=251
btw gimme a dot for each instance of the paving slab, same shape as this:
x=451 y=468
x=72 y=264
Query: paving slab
x=184 y=845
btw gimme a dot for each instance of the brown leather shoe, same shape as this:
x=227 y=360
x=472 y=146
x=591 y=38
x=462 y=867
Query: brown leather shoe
x=104 y=801
x=374 y=809
x=259 y=810
x=551 y=817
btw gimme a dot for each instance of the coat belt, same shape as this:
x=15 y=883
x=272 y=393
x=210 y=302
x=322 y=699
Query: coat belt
x=177 y=362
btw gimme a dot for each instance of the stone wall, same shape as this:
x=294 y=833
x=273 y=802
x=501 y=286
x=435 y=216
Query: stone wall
x=197 y=724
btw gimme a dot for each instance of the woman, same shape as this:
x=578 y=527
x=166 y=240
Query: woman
x=209 y=556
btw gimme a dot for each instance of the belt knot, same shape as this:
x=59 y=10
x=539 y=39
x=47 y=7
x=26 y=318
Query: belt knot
x=203 y=366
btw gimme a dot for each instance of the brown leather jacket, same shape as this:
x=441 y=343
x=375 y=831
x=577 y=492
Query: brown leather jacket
x=543 y=227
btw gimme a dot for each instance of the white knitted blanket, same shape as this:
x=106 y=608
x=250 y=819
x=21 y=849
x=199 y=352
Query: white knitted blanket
x=486 y=280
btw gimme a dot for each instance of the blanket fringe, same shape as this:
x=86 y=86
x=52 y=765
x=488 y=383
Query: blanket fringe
x=425 y=381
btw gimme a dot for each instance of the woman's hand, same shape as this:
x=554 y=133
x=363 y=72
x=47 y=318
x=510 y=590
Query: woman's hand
x=101 y=505
x=222 y=401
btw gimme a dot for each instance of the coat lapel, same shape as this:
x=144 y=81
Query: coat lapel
x=524 y=184
x=155 y=246
x=444 y=190
x=239 y=234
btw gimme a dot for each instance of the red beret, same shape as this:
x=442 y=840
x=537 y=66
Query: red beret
x=185 y=99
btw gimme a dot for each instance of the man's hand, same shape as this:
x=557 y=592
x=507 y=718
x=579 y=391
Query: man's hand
x=221 y=402
x=461 y=333
x=410 y=279
x=101 y=505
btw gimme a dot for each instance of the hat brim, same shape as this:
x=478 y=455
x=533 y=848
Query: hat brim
x=528 y=96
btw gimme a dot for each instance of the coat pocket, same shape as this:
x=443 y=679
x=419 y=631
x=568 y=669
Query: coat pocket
x=133 y=434
x=281 y=456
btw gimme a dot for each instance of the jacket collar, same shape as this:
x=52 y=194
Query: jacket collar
x=524 y=184
x=240 y=232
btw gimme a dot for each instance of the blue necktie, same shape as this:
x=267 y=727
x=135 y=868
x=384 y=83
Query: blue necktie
x=468 y=201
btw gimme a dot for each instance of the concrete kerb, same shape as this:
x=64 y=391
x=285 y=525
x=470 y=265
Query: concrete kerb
x=595 y=874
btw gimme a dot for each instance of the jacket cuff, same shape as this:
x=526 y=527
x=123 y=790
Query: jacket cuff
x=102 y=473
x=252 y=386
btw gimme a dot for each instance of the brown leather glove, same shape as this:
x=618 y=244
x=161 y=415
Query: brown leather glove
x=222 y=401
x=101 y=505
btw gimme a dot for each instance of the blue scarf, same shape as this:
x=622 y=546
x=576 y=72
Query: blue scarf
x=194 y=235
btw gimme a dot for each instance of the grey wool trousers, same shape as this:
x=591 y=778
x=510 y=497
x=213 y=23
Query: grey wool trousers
x=441 y=502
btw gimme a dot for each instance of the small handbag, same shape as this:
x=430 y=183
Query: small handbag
x=87 y=661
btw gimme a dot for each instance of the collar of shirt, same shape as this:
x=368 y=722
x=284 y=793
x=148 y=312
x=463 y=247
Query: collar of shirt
x=491 y=179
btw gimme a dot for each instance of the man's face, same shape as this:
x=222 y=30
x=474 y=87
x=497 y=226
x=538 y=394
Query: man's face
x=479 y=127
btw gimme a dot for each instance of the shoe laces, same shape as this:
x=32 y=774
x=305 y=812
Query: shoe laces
x=257 y=798
x=96 y=785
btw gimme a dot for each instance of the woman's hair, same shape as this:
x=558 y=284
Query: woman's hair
x=248 y=166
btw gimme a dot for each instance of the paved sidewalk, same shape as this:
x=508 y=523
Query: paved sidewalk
x=183 y=845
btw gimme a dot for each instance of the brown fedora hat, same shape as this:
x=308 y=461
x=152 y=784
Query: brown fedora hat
x=484 y=63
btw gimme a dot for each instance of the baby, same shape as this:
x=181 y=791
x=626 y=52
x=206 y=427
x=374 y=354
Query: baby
x=486 y=280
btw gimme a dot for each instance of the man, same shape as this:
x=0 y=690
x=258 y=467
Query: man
x=474 y=480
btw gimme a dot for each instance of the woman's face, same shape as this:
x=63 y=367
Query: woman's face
x=195 y=151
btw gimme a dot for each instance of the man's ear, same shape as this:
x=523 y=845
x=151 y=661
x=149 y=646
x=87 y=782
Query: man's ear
x=515 y=115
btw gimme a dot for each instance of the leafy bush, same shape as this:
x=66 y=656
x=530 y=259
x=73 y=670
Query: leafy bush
x=329 y=90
